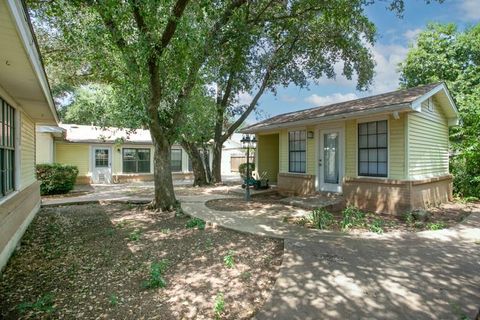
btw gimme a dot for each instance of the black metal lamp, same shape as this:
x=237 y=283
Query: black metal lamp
x=248 y=143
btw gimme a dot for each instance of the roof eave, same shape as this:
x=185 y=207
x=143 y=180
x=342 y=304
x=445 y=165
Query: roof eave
x=342 y=116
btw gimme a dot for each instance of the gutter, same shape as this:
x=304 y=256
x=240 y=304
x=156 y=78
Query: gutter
x=341 y=116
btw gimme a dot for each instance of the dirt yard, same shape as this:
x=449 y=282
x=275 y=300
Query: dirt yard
x=124 y=262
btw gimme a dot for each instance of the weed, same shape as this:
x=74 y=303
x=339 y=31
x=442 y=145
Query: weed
x=110 y=231
x=165 y=231
x=113 y=299
x=135 y=235
x=229 y=260
x=245 y=275
x=409 y=218
x=219 y=305
x=43 y=304
x=436 y=226
x=352 y=217
x=377 y=226
x=321 y=218
x=208 y=244
x=156 y=280
x=419 y=224
x=196 y=222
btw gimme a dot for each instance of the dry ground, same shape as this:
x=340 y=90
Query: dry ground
x=93 y=261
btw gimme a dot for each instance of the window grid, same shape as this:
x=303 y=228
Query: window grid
x=297 y=151
x=136 y=160
x=373 y=149
x=176 y=160
x=7 y=148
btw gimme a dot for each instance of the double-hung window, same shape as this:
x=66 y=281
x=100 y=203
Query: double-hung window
x=136 y=160
x=297 y=151
x=176 y=160
x=373 y=149
x=7 y=148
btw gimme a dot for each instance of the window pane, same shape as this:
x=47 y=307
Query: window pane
x=362 y=128
x=372 y=127
x=372 y=141
x=382 y=169
x=144 y=154
x=372 y=155
x=363 y=155
x=363 y=169
x=382 y=140
x=372 y=168
x=382 y=126
x=362 y=141
x=382 y=155
x=144 y=166
x=129 y=166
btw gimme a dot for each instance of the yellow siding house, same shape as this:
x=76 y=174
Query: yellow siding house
x=25 y=101
x=387 y=153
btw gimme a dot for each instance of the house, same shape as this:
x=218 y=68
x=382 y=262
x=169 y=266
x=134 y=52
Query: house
x=25 y=100
x=111 y=155
x=233 y=154
x=385 y=153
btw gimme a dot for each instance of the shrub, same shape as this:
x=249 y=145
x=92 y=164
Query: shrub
x=321 y=218
x=56 y=178
x=195 y=222
x=377 y=226
x=157 y=270
x=242 y=168
x=352 y=217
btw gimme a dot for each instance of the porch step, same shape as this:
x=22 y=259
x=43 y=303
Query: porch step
x=329 y=201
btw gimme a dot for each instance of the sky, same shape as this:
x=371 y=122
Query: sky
x=394 y=35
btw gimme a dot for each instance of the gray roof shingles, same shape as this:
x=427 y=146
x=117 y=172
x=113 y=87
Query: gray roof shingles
x=377 y=101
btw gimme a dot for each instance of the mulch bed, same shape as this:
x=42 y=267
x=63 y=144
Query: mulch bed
x=94 y=262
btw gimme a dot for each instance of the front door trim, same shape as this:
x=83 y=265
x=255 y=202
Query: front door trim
x=106 y=171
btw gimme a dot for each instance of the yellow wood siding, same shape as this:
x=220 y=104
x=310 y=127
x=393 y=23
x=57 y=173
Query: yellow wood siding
x=427 y=142
x=27 y=151
x=74 y=154
x=268 y=161
x=351 y=148
x=396 y=146
x=44 y=147
x=283 y=151
x=311 y=156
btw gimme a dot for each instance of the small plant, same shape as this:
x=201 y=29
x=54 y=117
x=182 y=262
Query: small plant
x=43 y=304
x=245 y=275
x=436 y=226
x=321 y=218
x=157 y=270
x=377 y=226
x=409 y=218
x=219 y=305
x=208 y=244
x=229 y=259
x=113 y=299
x=196 y=222
x=135 y=235
x=165 y=231
x=352 y=217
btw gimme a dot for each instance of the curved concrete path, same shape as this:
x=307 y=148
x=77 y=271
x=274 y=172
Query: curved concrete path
x=327 y=275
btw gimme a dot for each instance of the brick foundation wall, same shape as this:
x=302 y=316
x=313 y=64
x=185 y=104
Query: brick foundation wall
x=396 y=196
x=295 y=183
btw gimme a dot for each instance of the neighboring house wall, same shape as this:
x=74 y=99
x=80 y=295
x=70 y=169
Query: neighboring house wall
x=427 y=142
x=267 y=156
x=44 y=148
x=75 y=154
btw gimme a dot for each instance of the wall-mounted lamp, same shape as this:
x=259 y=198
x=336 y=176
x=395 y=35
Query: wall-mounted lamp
x=310 y=134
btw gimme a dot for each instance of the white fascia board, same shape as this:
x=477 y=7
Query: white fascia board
x=19 y=15
x=343 y=116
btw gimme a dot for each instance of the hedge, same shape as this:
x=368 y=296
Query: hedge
x=242 y=168
x=56 y=178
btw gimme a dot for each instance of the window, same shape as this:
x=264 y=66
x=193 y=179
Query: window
x=101 y=158
x=136 y=160
x=372 y=149
x=176 y=160
x=297 y=155
x=7 y=148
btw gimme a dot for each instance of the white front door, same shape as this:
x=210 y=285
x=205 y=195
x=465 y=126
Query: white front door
x=102 y=165
x=330 y=161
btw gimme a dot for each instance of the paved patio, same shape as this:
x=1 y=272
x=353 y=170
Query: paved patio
x=327 y=275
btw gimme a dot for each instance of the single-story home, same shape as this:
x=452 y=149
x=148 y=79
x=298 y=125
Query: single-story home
x=25 y=100
x=108 y=155
x=385 y=153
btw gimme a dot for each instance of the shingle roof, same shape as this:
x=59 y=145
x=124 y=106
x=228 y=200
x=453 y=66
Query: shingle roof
x=393 y=98
x=93 y=134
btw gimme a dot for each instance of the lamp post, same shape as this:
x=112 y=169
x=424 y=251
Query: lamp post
x=248 y=143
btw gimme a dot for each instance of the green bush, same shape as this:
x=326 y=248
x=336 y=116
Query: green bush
x=242 y=168
x=56 y=178
x=352 y=217
x=321 y=218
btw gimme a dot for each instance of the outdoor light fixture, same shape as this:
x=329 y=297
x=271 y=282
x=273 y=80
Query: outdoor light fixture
x=248 y=143
x=310 y=134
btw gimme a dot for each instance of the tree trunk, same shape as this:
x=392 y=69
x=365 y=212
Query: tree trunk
x=199 y=174
x=217 y=161
x=206 y=162
x=164 y=198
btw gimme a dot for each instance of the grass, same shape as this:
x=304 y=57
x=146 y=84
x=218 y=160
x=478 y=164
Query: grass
x=321 y=218
x=436 y=226
x=377 y=226
x=156 y=279
x=195 y=223
x=135 y=235
x=219 y=305
x=113 y=299
x=352 y=217
x=43 y=304
x=229 y=259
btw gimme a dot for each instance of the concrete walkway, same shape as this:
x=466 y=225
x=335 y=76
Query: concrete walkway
x=327 y=275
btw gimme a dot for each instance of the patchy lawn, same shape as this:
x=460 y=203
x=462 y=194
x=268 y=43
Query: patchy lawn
x=126 y=262
x=445 y=216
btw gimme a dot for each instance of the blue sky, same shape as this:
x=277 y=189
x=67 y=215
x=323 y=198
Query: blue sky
x=394 y=37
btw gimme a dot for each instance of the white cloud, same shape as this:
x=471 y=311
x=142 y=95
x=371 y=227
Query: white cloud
x=387 y=58
x=288 y=98
x=470 y=10
x=244 y=98
x=317 y=100
x=412 y=34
